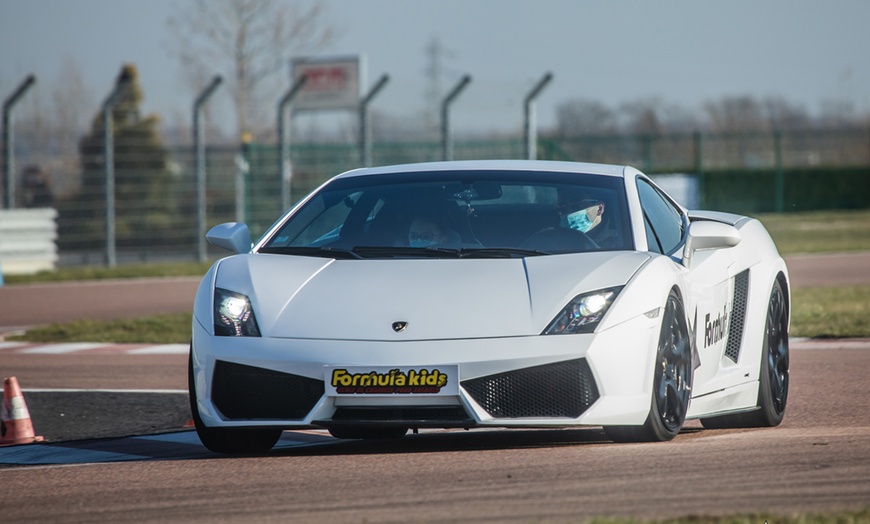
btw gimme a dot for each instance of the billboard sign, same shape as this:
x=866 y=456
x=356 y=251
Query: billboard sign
x=332 y=82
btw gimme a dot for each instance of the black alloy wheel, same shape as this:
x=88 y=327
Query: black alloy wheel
x=773 y=372
x=672 y=383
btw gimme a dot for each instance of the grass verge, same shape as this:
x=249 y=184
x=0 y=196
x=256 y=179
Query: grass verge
x=835 y=312
x=819 y=231
x=179 y=269
x=836 y=517
x=158 y=329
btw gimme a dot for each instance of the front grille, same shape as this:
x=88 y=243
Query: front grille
x=738 y=315
x=435 y=416
x=560 y=390
x=247 y=392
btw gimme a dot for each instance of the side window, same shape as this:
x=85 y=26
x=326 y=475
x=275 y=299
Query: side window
x=663 y=221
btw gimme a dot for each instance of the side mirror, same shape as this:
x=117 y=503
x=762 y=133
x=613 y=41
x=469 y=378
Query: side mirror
x=233 y=236
x=709 y=235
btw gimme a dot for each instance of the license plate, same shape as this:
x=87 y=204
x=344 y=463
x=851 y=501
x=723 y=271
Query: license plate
x=387 y=381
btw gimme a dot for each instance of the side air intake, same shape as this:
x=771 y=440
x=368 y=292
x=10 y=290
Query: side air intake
x=738 y=315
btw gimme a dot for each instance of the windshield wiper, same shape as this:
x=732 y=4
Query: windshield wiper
x=405 y=251
x=325 y=251
x=500 y=252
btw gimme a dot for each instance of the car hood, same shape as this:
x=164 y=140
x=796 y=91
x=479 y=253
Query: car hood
x=320 y=298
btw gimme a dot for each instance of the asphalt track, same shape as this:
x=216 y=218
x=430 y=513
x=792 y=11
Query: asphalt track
x=817 y=460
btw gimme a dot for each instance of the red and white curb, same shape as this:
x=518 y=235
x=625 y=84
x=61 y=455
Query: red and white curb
x=30 y=348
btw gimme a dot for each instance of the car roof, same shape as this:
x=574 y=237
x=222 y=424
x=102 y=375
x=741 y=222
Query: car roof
x=494 y=165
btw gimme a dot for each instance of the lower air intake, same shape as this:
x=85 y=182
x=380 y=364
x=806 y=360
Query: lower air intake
x=560 y=390
x=247 y=392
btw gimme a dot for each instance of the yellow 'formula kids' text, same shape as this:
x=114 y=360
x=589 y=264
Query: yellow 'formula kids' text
x=393 y=381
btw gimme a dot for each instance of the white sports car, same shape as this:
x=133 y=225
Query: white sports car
x=489 y=294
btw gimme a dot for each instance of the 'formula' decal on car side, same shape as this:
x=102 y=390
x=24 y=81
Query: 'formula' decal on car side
x=714 y=330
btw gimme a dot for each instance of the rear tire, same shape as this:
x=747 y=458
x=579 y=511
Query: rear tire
x=773 y=374
x=228 y=440
x=671 y=385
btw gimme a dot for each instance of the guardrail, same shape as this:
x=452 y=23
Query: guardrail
x=28 y=241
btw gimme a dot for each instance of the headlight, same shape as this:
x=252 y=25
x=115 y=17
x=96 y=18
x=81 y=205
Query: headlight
x=233 y=315
x=583 y=313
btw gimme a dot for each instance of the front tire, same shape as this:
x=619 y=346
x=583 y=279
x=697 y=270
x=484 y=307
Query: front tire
x=671 y=385
x=773 y=372
x=228 y=440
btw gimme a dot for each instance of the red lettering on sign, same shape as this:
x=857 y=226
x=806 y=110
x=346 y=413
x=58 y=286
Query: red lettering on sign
x=326 y=79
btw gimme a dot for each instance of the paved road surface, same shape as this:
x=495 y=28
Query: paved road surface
x=818 y=460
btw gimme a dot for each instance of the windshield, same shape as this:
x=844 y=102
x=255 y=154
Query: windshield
x=459 y=214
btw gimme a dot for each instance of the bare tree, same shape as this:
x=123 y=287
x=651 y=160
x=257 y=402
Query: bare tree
x=70 y=96
x=643 y=117
x=784 y=115
x=250 y=42
x=585 y=117
x=736 y=115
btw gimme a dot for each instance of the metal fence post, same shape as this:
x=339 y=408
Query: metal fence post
x=364 y=124
x=199 y=161
x=446 y=131
x=243 y=167
x=109 y=169
x=8 y=140
x=284 y=167
x=531 y=130
x=699 y=169
x=779 y=182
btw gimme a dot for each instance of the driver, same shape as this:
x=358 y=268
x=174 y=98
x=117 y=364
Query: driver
x=426 y=231
x=582 y=214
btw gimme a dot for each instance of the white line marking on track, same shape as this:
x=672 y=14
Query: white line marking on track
x=73 y=390
x=59 y=349
x=30 y=348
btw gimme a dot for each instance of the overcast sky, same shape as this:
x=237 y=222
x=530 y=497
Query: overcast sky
x=684 y=52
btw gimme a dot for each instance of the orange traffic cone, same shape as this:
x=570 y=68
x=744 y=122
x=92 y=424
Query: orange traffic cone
x=15 y=424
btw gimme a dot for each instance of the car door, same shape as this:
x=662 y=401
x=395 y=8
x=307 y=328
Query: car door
x=709 y=284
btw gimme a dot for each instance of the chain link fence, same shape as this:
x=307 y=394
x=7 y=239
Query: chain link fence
x=155 y=193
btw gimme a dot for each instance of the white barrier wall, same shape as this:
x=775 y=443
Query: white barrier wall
x=28 y=240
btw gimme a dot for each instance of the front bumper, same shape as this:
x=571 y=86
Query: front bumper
x=535 y=381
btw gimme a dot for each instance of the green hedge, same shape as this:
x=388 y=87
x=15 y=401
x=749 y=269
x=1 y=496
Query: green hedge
x=754 y=191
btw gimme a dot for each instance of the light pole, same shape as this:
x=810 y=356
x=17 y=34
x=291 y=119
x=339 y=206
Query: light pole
x=446 y=131
x=199 y=161
x=531 y=130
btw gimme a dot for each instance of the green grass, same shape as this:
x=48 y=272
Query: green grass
x=180 y=269
x=819 y=231
x=158 y=329
x=836 y=517
x=835 y=312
